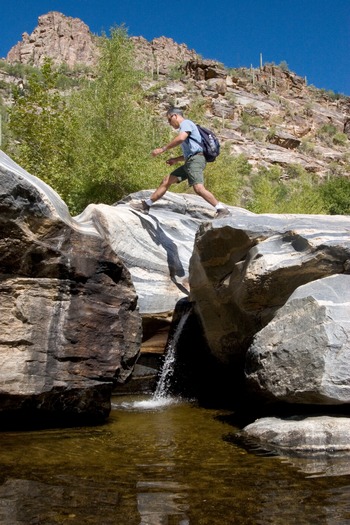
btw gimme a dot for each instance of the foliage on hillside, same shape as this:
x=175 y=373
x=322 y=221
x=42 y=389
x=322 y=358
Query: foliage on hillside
x=94 y=145
x=92 y=142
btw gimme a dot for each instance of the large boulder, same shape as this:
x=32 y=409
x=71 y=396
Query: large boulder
x=301 y=435
x=156 y=248
x=245 y=267
x=70 y=327
x=303 y=354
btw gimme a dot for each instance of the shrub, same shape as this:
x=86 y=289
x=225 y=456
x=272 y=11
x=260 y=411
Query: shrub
x=340 y=139
x=271 y=194
x=336 y=193
x=228 y=177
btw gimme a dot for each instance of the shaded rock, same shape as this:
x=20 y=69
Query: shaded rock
x=217 y=85
x=70 y=328
x=204 y=69
x=286 y=80
x=301 y=435
x=346 y=129
x=283 y=139
x=303 y=354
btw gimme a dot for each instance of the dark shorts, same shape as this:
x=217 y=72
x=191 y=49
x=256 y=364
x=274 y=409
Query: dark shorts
x=192 y=170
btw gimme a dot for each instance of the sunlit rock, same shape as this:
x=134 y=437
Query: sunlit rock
x=245 y=267
x=303 y=354
x=156 y=248
x=301 y=435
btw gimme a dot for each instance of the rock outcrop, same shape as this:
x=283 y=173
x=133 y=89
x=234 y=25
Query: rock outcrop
x=63 y=39
x=244 y=269
x=70 y=327
x=301 y=435
x=160 y=56
x=69 y=41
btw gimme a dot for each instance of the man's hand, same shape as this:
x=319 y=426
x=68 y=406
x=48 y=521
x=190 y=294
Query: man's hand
x=172 y=161
x=157 y=151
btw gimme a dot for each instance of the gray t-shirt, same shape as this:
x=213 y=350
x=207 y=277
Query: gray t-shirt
x=190 y=147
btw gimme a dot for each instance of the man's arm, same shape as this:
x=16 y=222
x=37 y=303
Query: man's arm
x=179 y=139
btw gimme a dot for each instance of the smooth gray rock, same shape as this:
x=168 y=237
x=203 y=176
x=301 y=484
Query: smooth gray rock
x=303 y=354
x=316 y=434
x=245 y=267
x=156 y=248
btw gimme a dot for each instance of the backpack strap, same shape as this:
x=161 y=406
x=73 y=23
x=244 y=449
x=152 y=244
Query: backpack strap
x=195 y=140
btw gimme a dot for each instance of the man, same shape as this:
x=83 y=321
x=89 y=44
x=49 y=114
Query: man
x=190 y=141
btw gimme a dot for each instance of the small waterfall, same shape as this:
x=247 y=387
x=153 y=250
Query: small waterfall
x=162 y=389
x=161 y=397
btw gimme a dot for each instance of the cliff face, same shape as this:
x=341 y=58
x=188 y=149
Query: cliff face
x=68 y=40
x=64 y=39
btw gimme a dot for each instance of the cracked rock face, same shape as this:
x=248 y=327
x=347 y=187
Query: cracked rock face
x=63 y=39
x=245 y=267
x=70 y=327
x=303 y=354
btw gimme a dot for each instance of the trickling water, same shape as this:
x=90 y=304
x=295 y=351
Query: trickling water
x=161 y=397
x=162 y=389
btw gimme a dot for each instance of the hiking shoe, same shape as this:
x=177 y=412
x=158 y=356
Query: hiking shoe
x=141 y=206
x=223 y=212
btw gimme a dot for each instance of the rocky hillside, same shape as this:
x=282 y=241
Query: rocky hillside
x=268 y=114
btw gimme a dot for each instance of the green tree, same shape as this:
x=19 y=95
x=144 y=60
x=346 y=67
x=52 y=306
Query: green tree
x=228 y=177
x=94 y=145
x=114 y=129
x=336 y=193
x=37 y=127
x=267 y=192
x=3 y=125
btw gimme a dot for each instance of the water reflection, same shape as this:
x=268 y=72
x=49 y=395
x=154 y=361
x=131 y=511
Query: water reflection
x=166 y=465
x=158 y=500
x=326 y=466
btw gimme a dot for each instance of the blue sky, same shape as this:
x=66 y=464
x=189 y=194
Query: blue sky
x=311 y=36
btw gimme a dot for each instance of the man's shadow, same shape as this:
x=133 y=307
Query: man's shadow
x=160 y=238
